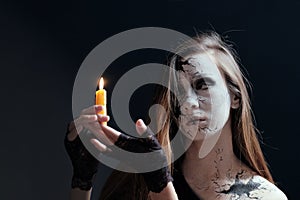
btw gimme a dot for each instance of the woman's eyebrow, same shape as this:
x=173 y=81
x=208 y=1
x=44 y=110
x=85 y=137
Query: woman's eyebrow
x=198 y=75
x=204 y=77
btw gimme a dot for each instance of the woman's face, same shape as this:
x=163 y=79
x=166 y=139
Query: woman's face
x=203 y=98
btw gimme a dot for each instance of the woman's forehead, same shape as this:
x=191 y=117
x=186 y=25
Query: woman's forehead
x=200 y=64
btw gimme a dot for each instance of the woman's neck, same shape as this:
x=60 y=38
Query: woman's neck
x=220 y=166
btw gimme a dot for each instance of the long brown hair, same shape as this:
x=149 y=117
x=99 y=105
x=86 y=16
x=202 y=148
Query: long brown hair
x=245 y=140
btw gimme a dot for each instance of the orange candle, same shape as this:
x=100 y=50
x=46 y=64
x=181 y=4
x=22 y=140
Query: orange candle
x=101 y=98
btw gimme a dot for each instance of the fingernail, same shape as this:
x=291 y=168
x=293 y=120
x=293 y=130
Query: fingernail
x=140 y=122
x=98 y=107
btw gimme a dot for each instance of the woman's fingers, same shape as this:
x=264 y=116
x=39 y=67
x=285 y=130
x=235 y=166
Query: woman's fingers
x=96 y=130
x=103 y=118
x=92 y=110
x=111 y=133
x=89 y=121
x=140 y=126
x=84 y=119
x=89 y=115
x=101 y=147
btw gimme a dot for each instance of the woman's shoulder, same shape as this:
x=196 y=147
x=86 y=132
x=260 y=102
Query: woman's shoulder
x=266 y=190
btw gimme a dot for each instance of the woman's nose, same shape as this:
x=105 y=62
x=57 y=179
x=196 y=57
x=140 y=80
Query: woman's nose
x=190 y=103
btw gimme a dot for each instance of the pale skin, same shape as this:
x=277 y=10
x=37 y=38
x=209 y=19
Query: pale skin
x=225 y=177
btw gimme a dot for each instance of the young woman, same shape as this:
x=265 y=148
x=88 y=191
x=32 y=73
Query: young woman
x=211 y=109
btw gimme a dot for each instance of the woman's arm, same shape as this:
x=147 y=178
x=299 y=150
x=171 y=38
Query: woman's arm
x=158 y=181
x=83 y=163
x=267 y=190
x=78 y=194
x=168 y=193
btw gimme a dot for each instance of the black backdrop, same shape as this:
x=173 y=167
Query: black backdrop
x=44 y=43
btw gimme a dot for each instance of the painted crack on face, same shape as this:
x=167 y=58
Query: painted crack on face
x=202 y=96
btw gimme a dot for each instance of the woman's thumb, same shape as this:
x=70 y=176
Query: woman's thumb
x=140 y=126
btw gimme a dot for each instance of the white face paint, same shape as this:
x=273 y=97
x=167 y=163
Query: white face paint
x=204 y=99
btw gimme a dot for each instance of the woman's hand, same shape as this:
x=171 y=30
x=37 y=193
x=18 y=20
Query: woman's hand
x=89 y=119
x=84 y=164
x=156 y=180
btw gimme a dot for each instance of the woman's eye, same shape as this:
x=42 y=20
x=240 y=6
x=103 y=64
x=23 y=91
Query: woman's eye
x=200 y=84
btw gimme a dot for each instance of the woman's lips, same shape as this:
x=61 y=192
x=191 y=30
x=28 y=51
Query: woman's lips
x=197 y=121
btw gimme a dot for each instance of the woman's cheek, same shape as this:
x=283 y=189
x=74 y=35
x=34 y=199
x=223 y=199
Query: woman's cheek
x=190 y=131
x=220 y=108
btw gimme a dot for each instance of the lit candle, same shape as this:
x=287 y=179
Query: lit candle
x=101 y=98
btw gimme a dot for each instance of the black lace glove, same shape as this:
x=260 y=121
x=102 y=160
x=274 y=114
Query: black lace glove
x=84 y=164
x=156 y=180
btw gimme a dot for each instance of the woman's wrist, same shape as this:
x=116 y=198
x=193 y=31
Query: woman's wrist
x=157 y=180
x=81 y=184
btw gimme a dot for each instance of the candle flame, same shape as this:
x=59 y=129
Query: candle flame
x=101 y=83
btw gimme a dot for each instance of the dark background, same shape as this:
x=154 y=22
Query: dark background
x=44 y=43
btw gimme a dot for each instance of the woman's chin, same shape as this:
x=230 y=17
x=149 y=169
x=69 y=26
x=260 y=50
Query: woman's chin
x=199 y=137
x=196 y=135
x=200 y=134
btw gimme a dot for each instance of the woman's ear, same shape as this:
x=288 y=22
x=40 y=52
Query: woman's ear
x=235 y=101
